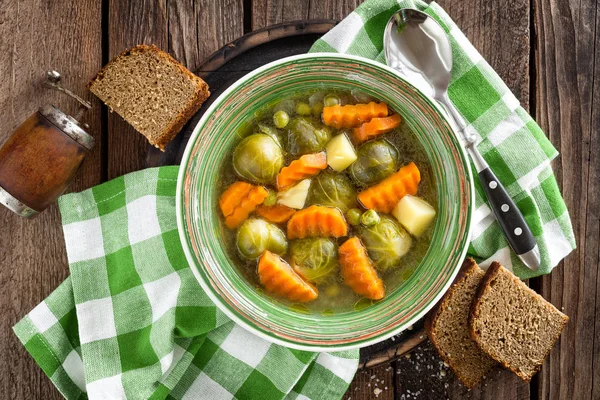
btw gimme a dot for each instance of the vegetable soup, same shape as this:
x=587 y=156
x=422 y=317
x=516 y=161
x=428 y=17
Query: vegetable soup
x=327 y=201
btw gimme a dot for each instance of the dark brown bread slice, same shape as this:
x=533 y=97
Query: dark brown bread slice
x=448 y=330
x=512 y=323
x=150 y=90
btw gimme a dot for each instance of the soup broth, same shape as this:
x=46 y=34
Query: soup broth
x=259 y=189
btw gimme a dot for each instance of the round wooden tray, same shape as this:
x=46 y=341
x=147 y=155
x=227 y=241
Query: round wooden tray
x=230 y=63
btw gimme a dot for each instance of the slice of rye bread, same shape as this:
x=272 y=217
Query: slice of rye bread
x=513 y=324
x=151 y=91
x=448 y=329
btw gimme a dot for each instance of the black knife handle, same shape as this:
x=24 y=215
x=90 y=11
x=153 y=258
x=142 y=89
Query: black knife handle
x=509 y=217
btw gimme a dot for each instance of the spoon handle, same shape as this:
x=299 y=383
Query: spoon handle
x=512 y=222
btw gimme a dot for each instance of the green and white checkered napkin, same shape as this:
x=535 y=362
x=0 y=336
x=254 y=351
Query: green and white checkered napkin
x=133 y=322
x=509 y=139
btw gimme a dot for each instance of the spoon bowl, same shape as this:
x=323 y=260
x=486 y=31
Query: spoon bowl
x=414 y=41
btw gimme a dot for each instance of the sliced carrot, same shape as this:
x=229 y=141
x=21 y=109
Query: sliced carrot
x=230 y=198
x=279 y=278
x=278 y=214
x=237 y=204
x=358 y=271
x=306 y=166
x=384 y=196
x=352 y=115
x=375 y=127
x=317 y=221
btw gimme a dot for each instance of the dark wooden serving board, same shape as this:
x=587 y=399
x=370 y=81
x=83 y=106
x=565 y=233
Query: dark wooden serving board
x=235 y=60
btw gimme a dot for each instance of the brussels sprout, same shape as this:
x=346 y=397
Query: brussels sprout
x=257 y=235
x=331 y=189
x=375 y=161
x=258 y=158
x=287 y=105
x=386 y=242
x=305 y=136
x=361 y=97
x=314 y=258
x=270 y=131
x=316 y=98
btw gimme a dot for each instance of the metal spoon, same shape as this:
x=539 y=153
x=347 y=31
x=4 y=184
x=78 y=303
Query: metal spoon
x=416 y=41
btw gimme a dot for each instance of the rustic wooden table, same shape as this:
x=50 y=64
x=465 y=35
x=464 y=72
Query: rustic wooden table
x=545 y=50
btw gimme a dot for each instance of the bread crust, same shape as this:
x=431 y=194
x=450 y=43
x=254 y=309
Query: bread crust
x=494 y=269
x=468 y=267
x=190 y=109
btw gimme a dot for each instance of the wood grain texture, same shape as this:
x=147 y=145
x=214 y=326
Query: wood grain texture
x=499 y=30
x=567 y=98
x=269 y=12
x=189 y=30
x=36 y=36
x=131 y=23
x=39 y=34
x=372 y=383
x=423 y=374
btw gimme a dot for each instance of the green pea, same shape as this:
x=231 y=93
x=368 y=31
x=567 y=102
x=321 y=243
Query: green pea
x=331 y=100
x=281 y=119
x=370 y=218
x=317 y=109
x=303 y=108
x=353 y=216
x=271 y=198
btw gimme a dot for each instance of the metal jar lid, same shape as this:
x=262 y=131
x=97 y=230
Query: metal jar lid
x=68 y=125
x=15 y=205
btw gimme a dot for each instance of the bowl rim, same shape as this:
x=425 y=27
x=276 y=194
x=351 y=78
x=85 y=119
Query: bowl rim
x=208 y=288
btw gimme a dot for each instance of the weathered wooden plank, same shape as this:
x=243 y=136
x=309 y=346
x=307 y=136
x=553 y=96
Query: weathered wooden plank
x=199 y=28
x=423 y=374
x=131 y=23
x=269 y=12
x=35 y=36
x=499 y=30
x=372 y=383
x=568 y=76
x=189 y=30
x=332 y=9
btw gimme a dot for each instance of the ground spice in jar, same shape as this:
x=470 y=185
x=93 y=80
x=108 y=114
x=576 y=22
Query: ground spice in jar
x=40 y=159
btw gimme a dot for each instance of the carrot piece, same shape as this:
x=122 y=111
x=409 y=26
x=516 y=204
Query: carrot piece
x=230 y=198
x=317 y=221
x=279 y=278
x=306 y=166
x=277 y=214
x=358 y=271
x=352 y=115
x=384 y=196
x=244 y=207
x=375 y=127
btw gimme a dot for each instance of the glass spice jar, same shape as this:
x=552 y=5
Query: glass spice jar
x=41 y=158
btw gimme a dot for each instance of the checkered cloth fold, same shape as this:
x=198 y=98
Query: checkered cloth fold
x=508 y=138
x=132 y=321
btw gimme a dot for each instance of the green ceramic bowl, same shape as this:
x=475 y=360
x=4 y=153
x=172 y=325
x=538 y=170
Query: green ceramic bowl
x=198 y=188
